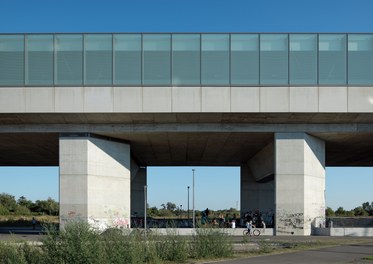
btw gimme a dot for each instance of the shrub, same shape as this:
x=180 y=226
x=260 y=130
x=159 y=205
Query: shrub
x=172 y=247
x=77 y=243
x=212 y=243
x=3 y=210
x=11 y=253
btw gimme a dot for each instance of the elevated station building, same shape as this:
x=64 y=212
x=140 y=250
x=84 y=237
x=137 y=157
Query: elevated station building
x=103 y=107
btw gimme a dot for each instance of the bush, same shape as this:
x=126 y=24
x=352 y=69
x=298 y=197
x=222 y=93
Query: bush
x=212 y=243
x=11 y=253
x=77 y=243
x=22 y=210
x=3 y=210
x=172 y=247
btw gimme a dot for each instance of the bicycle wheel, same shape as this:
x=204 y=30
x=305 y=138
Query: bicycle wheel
x=246 y=233
x=256 y=232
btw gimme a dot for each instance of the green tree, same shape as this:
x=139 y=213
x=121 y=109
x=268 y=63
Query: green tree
x=8 y=201
x=23 y=201
x=49 y=206
x=171 y=206
x=329 y=212
x=359 y=211
x=3 y=210
x=368 y=208
x=340 y=211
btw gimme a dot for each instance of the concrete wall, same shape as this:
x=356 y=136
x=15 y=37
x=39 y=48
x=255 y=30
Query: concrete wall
x=255 y=195
x=346 y=231
x=185 y=99
x=299 y=182
x=263 y=163
x=94 y=181
x=138 y=181
x=192 y=231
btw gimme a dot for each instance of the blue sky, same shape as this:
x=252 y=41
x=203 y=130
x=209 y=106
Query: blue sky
x=215 y=187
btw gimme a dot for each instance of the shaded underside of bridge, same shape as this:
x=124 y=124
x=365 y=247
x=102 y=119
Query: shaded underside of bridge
x=190 y=139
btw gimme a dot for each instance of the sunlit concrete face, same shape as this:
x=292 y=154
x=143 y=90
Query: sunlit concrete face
x=95 y=182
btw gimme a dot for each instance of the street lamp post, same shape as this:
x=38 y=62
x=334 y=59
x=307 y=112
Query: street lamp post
x=194 y=213
x=145 y=207
x=188 y=206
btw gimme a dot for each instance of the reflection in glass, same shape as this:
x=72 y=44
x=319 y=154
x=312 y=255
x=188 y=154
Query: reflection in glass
x=39 y=59
x=12 y=60
x=360 y=59
x=98 y=59
x=332 y=59
x=215 y=59
x=274 y=59
x=127 y=58
x=303 y=59
x=69 y=59
x=244 y=59
x=157 y=59
x=186 y=59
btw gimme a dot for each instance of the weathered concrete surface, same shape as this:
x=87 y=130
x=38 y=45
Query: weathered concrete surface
x=299 y=182
x=262 y=165
x=312 y=99
x=138 y=181
x=255 y=195
x=94 y=181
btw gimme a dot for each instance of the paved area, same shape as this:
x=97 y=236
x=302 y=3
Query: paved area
x=340 y=254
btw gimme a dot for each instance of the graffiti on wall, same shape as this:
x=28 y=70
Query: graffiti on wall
x=112 y=218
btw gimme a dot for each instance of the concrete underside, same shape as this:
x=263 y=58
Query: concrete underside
x=185 y=139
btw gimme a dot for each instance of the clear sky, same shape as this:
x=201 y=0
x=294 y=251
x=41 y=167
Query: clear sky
x=216 y=188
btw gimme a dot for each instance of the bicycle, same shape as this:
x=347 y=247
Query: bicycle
x=253 y=231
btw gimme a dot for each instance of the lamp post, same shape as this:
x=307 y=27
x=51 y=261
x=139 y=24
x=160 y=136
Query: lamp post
x=194 y=213
x=188 y=205
x=145 y=207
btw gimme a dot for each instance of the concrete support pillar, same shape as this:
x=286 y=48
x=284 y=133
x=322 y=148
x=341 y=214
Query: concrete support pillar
x=256 y=195
x=299 y=182
x=138 y=181
x=94 y=181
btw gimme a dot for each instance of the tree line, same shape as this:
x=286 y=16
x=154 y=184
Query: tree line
x=171 y=210
x=10 y=206
x=365 y=209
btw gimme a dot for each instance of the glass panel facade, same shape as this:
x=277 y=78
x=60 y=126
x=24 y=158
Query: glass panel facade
x=303 y=59
x=39 y=59
x=127 y=59
x=244 y=59
x=360 y=59
x=274 y=59
x=12 y=60
x=215 y=59
x=332 y=59
x=157 y=59
x=98 y=59
x=69 y=60
x=186 y=59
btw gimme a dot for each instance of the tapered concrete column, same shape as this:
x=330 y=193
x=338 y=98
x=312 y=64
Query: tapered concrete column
x=256 y=195
x=299 y=182
x=138 y=181
x=94 y=181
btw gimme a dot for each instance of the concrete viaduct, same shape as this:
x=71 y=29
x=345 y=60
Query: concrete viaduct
x=103 y=132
